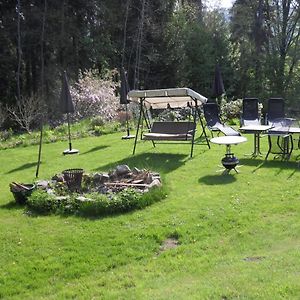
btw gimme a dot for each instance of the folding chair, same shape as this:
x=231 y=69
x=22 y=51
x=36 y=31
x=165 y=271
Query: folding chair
x=213 y=122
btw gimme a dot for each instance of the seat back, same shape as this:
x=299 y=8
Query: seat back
x=250 y=114
x=211 y=114
x=275 y=110
x=173 y=127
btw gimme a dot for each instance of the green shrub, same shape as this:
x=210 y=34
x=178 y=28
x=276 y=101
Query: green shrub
x=94 y=204
x=42 y=202
x=97 y=121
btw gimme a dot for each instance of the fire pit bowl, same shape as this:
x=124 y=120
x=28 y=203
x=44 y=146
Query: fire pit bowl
x=21 y=191
x=73 y=178
x=230 y=161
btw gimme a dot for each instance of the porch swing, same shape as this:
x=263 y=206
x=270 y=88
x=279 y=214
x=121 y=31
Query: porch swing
x=177 y=131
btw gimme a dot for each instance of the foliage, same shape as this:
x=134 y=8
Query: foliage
x=93 y=204
x=230 y=110
x=93 y=96
x=84 y=128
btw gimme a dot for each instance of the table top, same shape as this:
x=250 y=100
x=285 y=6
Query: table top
x=256 y=127
x=228 y=140
x=294 y=129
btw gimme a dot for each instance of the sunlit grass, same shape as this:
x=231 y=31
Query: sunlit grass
x=238 y=234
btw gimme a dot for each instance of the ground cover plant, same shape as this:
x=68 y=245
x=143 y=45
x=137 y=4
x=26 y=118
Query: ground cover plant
x=234 y=236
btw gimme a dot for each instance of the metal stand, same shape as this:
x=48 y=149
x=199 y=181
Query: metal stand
x=70 y=150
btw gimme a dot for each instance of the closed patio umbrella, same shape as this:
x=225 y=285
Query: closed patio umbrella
x=124 y=100
x=218 y=86
x=67 y=107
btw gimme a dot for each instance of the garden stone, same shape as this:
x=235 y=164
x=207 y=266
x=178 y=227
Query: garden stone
x=61 y=198
x=105 y=178
x=58 y=178
x=83 y=199
x=154 y=183
x=97 y=178
x=42 y=184
x=122 y=170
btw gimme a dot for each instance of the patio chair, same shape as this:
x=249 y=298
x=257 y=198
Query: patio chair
x=280 y=144
x=213 y=122
x=276 y=115
x=250 y=112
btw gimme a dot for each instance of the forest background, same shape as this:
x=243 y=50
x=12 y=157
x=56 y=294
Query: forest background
x=160 y=44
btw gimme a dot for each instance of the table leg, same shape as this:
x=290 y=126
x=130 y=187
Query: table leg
x=256 y=146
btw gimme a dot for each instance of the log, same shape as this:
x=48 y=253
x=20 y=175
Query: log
x=138 y=185
x=21 y=186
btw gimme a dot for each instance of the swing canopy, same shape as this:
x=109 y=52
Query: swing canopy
x=167 y=98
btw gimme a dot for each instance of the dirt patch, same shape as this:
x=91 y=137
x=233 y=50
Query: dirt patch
x=169 y=243
x=254 y=258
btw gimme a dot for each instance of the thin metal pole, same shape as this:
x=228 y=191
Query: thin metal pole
x=138 y=126
x=40 y=151
x=70 y=142
x=127 y=121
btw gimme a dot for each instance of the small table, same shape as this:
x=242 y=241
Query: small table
x=229 y=161
x=256 y=130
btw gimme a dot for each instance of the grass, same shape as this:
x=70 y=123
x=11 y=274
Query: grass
x=239 y=234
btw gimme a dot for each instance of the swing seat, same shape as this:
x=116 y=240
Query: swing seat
x=171 y=131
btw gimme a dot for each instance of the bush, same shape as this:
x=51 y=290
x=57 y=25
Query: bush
x=42 y=202
x=95 y=96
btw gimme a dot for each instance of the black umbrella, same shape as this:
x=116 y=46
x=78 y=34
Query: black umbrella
x=124 y=100
x=67 y=107
x=218 y=85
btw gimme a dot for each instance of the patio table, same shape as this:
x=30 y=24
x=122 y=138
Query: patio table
x=256 y=130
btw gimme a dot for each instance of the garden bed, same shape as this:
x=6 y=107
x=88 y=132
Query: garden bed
x=95 y=194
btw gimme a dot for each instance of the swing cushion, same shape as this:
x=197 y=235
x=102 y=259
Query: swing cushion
x=171 y=131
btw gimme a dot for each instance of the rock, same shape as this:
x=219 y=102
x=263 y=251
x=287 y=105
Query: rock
x=105 y=178
x=83 y=199
x=154 y=183
x=122 y=170
x=97 y=178
x=62 y=198
x=42 y=184
x=58 y=178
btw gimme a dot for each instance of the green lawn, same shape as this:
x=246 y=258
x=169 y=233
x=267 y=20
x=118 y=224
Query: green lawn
x=239 y=234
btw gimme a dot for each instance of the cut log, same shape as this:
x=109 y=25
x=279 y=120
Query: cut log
x=138 y=185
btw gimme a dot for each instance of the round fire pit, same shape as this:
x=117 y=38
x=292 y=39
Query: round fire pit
x=230 y=161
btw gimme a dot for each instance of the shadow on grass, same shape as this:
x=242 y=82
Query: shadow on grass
x=217 y=179
x=275 y=164
x=11 y=205
x=160 y=162
x=97 y=148
x=23 y=167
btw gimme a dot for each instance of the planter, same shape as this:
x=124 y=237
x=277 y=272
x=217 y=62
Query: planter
x=21 y=191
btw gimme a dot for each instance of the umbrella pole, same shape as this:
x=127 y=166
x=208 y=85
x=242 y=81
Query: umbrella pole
x=70 y=142
x=127 y=121
x=40 y=152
